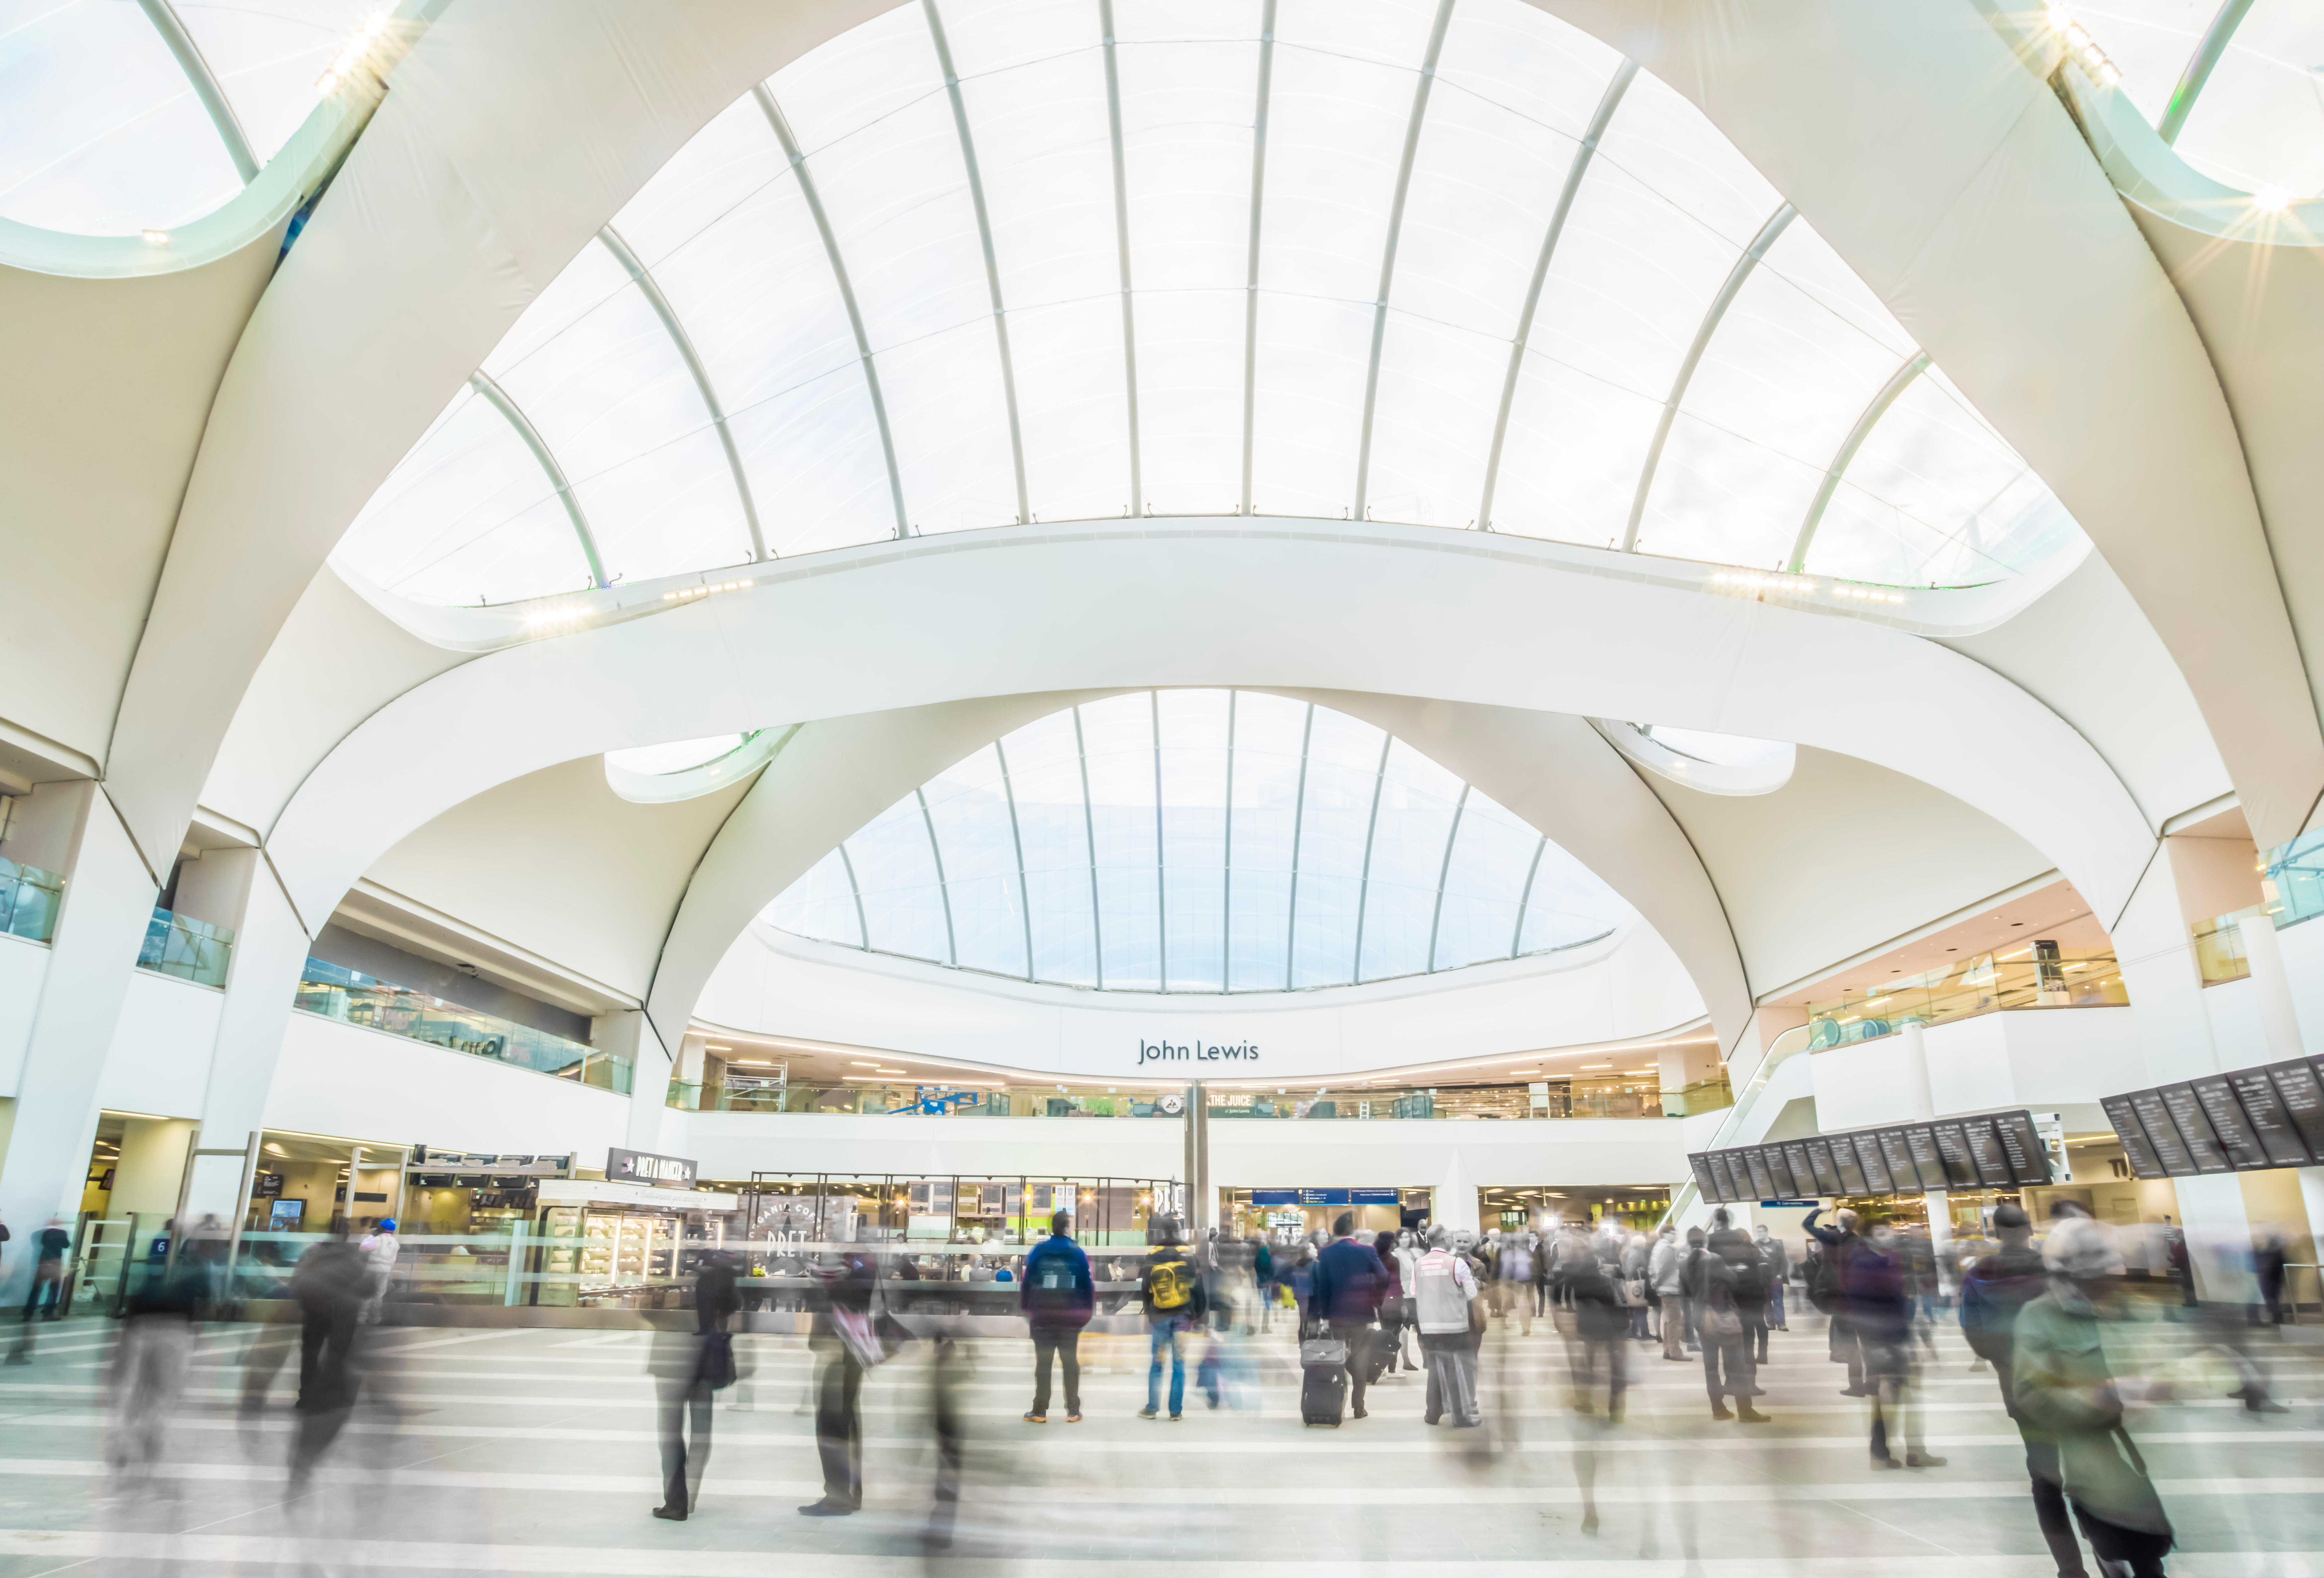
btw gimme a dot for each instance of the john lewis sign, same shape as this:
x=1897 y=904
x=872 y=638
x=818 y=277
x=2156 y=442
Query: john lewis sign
x=1196 y=1051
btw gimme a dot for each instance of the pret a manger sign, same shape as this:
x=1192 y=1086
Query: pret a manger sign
x=642 y=1167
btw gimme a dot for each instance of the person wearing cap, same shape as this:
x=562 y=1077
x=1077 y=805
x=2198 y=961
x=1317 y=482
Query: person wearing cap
x=379 y=1249
x=2069 y=1401
x=1996 y=1290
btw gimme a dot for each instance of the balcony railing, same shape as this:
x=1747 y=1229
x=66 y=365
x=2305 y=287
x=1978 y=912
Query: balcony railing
x=189 y=949
x=336 y=993
x=1556 y=1099
x=30 y=899
x=2219 y=946
x=1985 y=985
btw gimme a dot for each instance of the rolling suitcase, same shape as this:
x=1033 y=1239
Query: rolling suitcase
x=1322 y=1380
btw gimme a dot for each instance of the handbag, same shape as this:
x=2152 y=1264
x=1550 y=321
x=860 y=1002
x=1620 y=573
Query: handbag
x=1323 y=1350
x=1722 y=1323
x=1634 y=1292
x=716 y=1364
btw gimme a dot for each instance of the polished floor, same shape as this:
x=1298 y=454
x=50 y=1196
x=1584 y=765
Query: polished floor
x=534 y=1452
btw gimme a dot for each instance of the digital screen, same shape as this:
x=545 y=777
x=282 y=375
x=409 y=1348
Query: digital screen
x=2303 y=1101
x=2162 y=1134
x=1896 y=1150
x=1763 y=1181
x=2021 y=1148
x=1795 y=1156
x=1726 y=1175
x=1869 y=1156
x=1827 y=1175
x=1704 y=1181
x=1926 y=1158
x=1851 y=1175
x=2270 y=1121
x=2195 y=1130
x=1984 y=1150
x=2143 y=1162
x=2217 y=1096
x=1952 y=1150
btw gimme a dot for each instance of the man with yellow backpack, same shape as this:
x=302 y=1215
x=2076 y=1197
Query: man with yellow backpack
x=1171 y=1288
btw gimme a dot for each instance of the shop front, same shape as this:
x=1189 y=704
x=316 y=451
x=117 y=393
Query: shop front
x=1284 y=1216
x=607 y=1244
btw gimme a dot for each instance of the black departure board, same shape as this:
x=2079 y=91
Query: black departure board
x=1795 y=1156
x=2271 y=1124
x=1852 y=1180
x=2143 y=1161
x=1723 y=1165
x=1763 y=1181
x=1826 y=1177
x=1993 y=1170
x=1952 y=1150
x=2195 y=1130
x=2162 y=1134
x=1896 y=1150
x=1705 y=1184
x=1875 y=1164
x=2022 y=1147
x=2303 y=1101
x=2217 y=1096
x=1926 y=1158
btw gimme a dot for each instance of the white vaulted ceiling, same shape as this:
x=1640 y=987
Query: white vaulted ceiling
x=978 y=263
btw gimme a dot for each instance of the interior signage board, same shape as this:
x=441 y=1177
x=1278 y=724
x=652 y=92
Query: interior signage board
x=1996 y=1150
x=2245 y=1121
x=643 y=1166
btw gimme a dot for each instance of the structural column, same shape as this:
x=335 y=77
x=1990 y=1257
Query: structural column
x=628 y=1033
x=2272 y=985
x=109 y=898
x=270 y=952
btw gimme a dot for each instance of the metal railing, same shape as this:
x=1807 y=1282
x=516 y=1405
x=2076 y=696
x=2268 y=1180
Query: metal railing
x=1985 y=985
x=1554 y=1100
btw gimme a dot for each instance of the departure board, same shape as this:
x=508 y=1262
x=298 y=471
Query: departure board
x=2195 y=1130
x=1852 y=1180
x=2303 y=1101
x=1722 y=1163
x=1997 y=1150
x=1993 y=1170
x=1896 y=1150
x=1875 y=1164
x=1705 y=1183
x=2217 y=1096
x=2023 y=1147
x=1926 y=1158
x=1796 y=1156
x=2162 y=1134
x=1952 y=1150
x=2135 y=1147
x=1763 y=1181
x=1826 y=1177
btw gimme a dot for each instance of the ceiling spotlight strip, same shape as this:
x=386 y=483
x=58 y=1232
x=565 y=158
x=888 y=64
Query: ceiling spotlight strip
x=1250 y=267
x=1898 y=381
x=483 y=384
x=1388 y=253
x=2191 y=81
x=782 y=128
x=644 y=279
x=205 y=84
x=991 y=262
x=1720 y=303
x=1121 y=249
x=1607 y=103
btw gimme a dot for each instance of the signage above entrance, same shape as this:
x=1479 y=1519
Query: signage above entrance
x=640 y=1166
x=1326 y=1197
x=1195 y=1052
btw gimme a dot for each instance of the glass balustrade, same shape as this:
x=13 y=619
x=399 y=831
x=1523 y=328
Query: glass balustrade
x=336 y=993
x=2291 y=878
x=2219 y=946
x=30 y=899
x=1988 y=983
x=188 y=949
x=1554 y=1099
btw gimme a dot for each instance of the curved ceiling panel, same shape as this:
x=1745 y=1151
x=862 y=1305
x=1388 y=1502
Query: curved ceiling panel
x=1199 y=841
x=978 y=263
x=2233 y=84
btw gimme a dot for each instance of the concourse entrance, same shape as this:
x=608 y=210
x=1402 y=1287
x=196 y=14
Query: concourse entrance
x=1286 y=1215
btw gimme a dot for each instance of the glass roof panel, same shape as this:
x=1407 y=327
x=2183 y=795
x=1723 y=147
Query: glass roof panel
x=467 y=517
x=675 y=757
x=100 y=132
x=759 y=289
x=266 y=55
x=2259 y=121
x=821 y=904
x=1257 y=795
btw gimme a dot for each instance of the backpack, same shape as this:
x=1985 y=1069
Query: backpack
x=1170 y=1284
x=1049 y=1284
x=1825 y=1290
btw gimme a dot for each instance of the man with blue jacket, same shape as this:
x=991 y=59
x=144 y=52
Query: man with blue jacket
x=1349 y=1283
x=1058 y=1298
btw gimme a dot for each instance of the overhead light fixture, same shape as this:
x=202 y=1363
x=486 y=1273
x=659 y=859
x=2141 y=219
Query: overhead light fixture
x=352 y=55
x=2272 y=200
x=155 y=237
x=857 y=1063
x=273 y=1150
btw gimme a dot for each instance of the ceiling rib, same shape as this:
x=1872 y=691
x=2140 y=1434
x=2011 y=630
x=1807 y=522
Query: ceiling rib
x=991 y=262
x=1517 y=932
x=1445 y=875
x=1607 y=103
x=1388 y=253
x=1298 y=826
x=1897 y=384
x=483 y=384
x=205 y=84
x=1017 y=841
x=638 y=272
x=1250 y=269
x=1720 y=303
x=2207 y=51
x=1364 y=883
x=1089 y=831
x=782 y=129
x=944 y=889
x=862 y=925
x=1121 y=249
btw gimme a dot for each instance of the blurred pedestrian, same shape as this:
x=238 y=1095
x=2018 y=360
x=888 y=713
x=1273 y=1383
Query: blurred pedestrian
x=1635 y=1290
x=1170 y=1286
x=1666 y=1279
x=849 y=1336
x=1880 y=1303
x=1349 y=1284
x=688 y=1367
x=1779 y=1269
x=150 y=1360
x=47 y=1291
x=2070 y=1399
x=1828 y=1291
x=1387 y=1346
x=380 y=1248
x=1408 y=1250
x=1262 y=1273
x=1444 y=1293
x=1515 y=1277
x=2269 y=1260
x=1595 y=1355
x=1994 y=1292
x=329 y=1285
x=1716 y=1288
x=1059 y=1298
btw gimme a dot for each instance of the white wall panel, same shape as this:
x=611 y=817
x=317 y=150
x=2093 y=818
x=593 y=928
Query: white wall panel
x=342 y=1079
x=786 y=986
x=159 y=1061
x=22 y=966
x=2064 y=1058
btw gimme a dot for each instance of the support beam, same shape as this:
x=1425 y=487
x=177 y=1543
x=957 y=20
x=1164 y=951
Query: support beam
x=1121 y=249
x=204 y=83
x=1250 y=267
x=2207 y=51
x=482 y=382
x=1898 y=381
